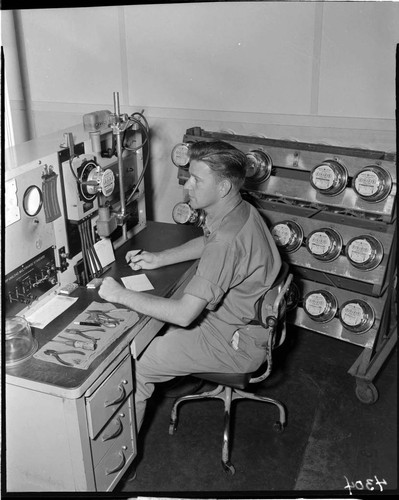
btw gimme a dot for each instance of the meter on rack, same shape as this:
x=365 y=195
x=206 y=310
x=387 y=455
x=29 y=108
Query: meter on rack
x=180 y=154
x=364 y=252
x=372 y=183
x=329 y=178
x=320 y=305
x=259 y=166
x=288 y=235
x=183 y=213
x=324 y=244
x=357 y=316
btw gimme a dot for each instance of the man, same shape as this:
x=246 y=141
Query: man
x=238 y=262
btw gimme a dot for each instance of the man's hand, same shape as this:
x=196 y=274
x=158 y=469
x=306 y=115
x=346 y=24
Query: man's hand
x=142 y=260
x=110 y=290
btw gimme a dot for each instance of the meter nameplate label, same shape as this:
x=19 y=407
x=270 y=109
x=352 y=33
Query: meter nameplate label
x=281 y=234
x=316 y=304
x=367 y=183
x=360 y=251
x=352 y=314
x=107 y=182
x=319 y=243
x=323 y=177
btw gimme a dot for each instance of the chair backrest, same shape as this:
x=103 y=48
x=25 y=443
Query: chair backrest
x=271 y=310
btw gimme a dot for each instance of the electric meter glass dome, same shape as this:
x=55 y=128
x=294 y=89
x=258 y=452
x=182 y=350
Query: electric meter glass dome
x=32 y=201
x=324 y=244
x=372 y=183
x=329 y=178
x=364 y=252
x=320 y=305
x=288 y=235
x=20 y=344
x=259 y=166
x=180 y=155
x=357 y=316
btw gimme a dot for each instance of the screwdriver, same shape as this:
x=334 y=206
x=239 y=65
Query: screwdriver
x=79 y=344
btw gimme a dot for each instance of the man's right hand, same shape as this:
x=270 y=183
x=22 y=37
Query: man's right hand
x=143 y=260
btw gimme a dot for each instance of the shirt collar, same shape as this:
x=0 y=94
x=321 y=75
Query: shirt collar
x=213 y=223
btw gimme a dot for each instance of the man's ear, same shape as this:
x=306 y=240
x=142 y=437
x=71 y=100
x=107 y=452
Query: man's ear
x=225 y=187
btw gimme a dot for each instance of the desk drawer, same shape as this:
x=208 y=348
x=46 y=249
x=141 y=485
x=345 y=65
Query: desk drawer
x=109 y=396
x=118 y=429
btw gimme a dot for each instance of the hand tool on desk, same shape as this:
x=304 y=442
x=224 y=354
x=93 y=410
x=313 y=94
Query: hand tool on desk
x=80 y=344
x=83 y=333
x=104 y=318
x=57 y=354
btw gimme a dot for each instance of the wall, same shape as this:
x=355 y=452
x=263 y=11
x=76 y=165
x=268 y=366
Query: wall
x=310 y=71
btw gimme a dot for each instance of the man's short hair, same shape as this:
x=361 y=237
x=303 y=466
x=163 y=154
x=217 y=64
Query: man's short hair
x=226 y=161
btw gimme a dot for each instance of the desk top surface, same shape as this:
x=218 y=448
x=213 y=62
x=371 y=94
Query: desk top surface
x=155 y=237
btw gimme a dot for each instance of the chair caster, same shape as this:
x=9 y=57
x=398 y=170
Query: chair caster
x=229 y=468
x=278 y=426
x=172 y=427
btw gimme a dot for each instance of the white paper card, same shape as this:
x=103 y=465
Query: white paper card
x=105 y=251
x=138 y=283
x=41 y=317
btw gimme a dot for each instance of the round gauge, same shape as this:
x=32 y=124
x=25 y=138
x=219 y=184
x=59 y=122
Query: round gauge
x=103 y=181
x=259 y=166
x=329 y=178
x=320 y=305
x=324 y=244
x=86 y=172
x=288 y=235
x=32 y=201
x=364 y=252
x=180 y=155
x=182 y=213
x=373 y=183
x=357 y=316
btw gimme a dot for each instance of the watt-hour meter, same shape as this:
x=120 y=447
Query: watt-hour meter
x=324 y=244
x=330 y=177
x=183 y=213
x=364 y=252
x=372 y=183
x=288 y=235
x=320 y=305
x=180 y=154
x=259 y=166
x=357 y=316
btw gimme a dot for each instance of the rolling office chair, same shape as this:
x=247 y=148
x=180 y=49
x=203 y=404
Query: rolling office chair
x=271 y=315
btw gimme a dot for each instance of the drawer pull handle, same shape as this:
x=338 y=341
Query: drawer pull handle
x=119 y=429
x=119 y=466
x=120 y=398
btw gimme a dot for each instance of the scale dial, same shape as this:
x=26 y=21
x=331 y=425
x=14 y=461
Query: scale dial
x=181 y=154
x=373 y=183
x=324 y=244
x=357 y=316
x=329 y=178
x=259 y=166
x=288 y=235
x=320 y=305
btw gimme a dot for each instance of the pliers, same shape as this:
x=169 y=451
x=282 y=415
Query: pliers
x=104 y=318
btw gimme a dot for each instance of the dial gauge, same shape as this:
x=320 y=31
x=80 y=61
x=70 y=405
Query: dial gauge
x=320 y=305
x=357 y=316
x=364 y=252
x=259 y=166
x=329 y=178
x=372 y=183
x=32 y=200
x=180 y=154
x=324 y=244
x=288 y=235
x=183 y=213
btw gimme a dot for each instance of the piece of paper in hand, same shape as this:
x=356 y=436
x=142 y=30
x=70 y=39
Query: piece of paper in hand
x=138 y=283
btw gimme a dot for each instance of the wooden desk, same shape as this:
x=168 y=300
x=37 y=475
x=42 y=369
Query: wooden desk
x=74 y=430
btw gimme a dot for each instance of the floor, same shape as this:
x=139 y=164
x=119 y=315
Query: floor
x=332 y=443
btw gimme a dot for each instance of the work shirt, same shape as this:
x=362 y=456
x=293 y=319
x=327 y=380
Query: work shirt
x=239 y=263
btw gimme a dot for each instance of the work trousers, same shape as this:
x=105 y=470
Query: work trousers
x=183 y=351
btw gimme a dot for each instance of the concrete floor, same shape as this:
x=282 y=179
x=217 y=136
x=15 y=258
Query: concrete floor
x=332 y=440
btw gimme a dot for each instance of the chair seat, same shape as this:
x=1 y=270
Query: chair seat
x=235 y=380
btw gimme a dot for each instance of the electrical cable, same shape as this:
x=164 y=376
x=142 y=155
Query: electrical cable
x=83 y=254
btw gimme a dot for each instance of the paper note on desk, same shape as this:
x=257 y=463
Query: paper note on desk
x=138 y=283
x=42 y=316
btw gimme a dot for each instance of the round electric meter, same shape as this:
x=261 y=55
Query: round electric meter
x=32 y=201
x=357 y=316
x=324 y=244
x=180 y=154
x=288 y=235
x=87 y=185
x=259 y=166
x=104 y=179
x=329 y=178
x=364 y=252
x=182 y=213
x=320 y=305
x=372 y=183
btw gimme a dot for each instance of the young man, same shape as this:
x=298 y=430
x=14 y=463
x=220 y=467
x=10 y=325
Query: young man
x=238 y=261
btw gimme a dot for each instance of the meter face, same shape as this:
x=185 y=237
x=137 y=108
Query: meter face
x=32 y=201
x=329 y=178
x=320 y=305
x=182 y=213
x=259 y=166
x=357 y=316
x=180 y=155
x=373 y=183
x=288 y=235
x=364 y=252
x=325 y=244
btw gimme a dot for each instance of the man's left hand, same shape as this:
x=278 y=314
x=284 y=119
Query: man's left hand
x=110 y=290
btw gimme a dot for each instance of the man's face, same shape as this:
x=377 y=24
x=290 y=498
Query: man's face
x=202 y=186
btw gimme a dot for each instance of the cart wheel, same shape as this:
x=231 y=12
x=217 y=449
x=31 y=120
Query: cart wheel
x=366 y=392
x=229 y=468
x=278 y=426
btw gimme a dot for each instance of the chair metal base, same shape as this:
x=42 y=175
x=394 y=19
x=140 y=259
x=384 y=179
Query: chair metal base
x=227 y=395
